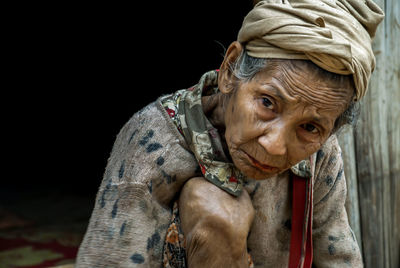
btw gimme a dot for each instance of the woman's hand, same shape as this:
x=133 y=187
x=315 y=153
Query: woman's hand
x=216 y=225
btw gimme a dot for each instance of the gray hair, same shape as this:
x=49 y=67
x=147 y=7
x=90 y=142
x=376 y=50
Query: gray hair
x=246 y=67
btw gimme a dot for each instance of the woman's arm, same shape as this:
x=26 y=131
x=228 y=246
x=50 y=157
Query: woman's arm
x=215 y=224
x=335 y=244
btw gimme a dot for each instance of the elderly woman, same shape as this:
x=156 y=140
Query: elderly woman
x=244 y=169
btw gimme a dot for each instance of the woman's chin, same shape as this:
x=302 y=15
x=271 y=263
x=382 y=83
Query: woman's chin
x=253 y=172
x=259 y=175
x=250 y=170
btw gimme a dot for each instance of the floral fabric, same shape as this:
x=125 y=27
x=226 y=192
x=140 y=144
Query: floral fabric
x=185 y=109
x=174 y=255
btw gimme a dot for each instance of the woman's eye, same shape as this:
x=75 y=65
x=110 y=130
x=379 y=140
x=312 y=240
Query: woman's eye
x=267 y=103
x=310 y=128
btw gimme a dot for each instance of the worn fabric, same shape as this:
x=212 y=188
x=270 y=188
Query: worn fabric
x=334 y=34
x=174 y=252
x=149 y=164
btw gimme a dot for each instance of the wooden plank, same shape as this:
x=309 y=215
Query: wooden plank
x=371 y=156
x=392 y=189
x=346 y=141
x=378 y=150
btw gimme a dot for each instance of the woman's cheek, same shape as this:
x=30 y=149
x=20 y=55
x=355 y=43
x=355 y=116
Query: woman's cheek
x=241 y=131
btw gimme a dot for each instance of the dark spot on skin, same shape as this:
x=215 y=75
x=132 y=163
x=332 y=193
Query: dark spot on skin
x=169 y=179
x=115 y=209
x=288 y=224
x=333 y=238
x=160 y=161
x=133 y=135
x=329 y=180
x=153 y=147
x=153 y=241
x=331 y=249
x=121 y=170
x=147 y=137
x=254 y=190
x=320 y=155
x=137 y=258
x=122 y=230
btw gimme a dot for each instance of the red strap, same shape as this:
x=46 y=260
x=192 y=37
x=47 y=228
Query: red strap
x=299 y=211
x=309 y=244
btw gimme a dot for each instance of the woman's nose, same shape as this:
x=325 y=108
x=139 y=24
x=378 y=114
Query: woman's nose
x=274 y=141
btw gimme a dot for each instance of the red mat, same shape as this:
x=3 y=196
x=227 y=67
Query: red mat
x=38 y=248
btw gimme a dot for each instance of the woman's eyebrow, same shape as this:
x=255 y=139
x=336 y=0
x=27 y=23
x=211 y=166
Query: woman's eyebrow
x=276 y=91
x=320 y=120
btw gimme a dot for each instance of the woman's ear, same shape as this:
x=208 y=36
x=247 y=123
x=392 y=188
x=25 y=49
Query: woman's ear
x=226 y=79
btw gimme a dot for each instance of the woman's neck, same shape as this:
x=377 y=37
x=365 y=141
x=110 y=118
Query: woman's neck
x=214 y=109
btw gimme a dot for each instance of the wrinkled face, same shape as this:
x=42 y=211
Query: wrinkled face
x=281 y=117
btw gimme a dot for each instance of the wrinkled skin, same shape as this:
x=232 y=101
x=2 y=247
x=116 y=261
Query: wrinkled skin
x=210 y=220
x=280 y=117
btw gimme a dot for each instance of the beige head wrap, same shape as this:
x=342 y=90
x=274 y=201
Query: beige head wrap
x=334 y=34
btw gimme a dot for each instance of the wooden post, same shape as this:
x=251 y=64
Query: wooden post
x=377 y=140
x=346 y=141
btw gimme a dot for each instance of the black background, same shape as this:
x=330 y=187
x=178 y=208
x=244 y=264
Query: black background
x=78 y=73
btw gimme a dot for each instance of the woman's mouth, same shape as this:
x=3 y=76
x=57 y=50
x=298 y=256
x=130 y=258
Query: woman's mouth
x=260 y=165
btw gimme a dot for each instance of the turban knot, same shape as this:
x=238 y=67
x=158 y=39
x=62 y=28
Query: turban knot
x=334 y=34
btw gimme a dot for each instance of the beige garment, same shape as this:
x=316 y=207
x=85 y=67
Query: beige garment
x=334 y=243
x=334 y=34
x=149 y=164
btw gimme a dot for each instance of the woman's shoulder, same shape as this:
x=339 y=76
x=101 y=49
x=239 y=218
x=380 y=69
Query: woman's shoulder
x=328 y=169
x=329 y=151
x=150 y=151
x=152 y=122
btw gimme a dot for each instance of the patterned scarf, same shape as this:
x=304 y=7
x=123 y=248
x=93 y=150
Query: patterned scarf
x=185 y=109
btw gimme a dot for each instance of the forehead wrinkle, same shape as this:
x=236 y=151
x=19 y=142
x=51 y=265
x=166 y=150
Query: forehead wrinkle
x=276 y=90
x=312 y=113
x=273 y=83
x=323 y=96
x=310 y=110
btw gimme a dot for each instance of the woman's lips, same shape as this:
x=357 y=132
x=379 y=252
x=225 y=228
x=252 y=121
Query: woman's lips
x=261 y=166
